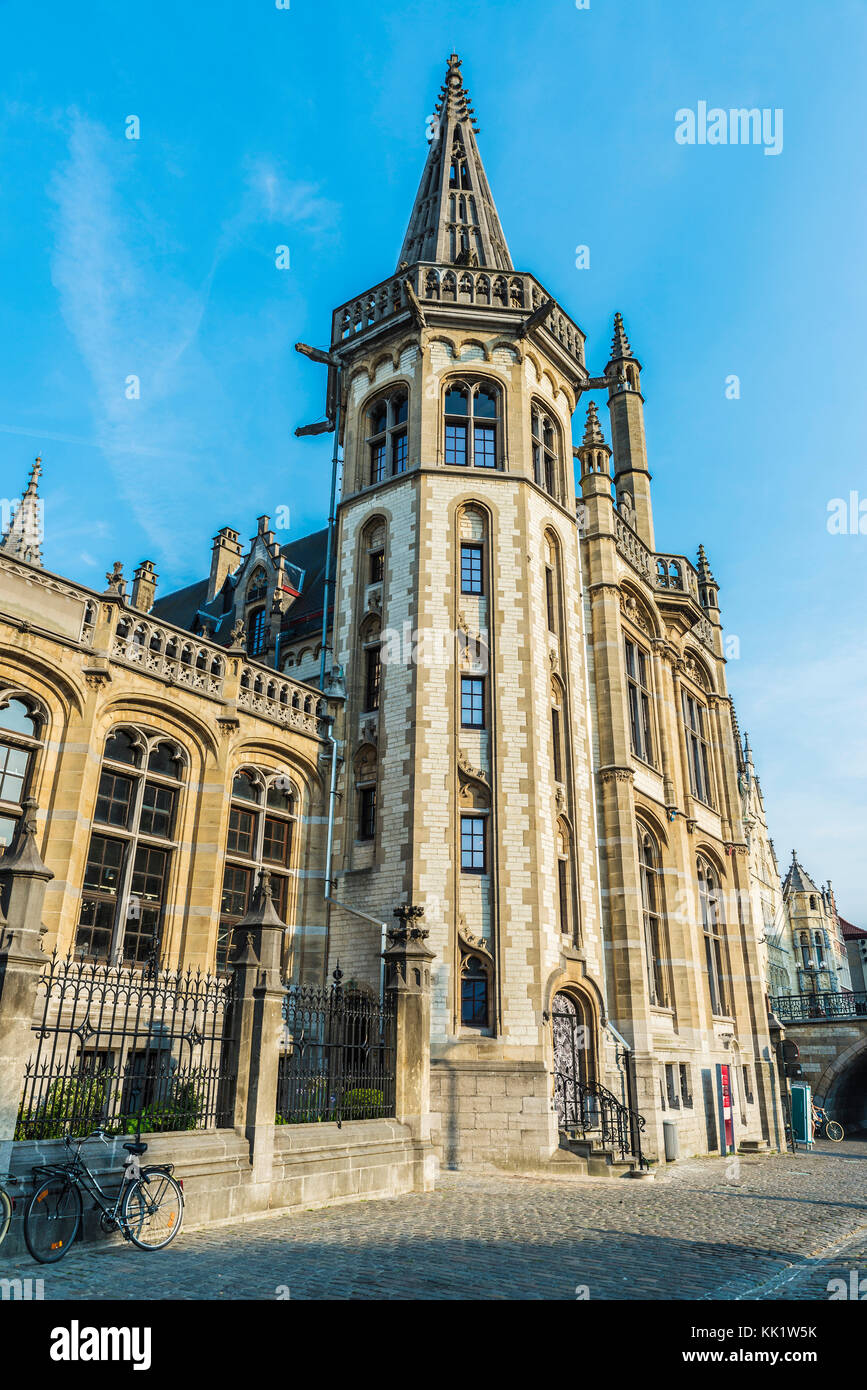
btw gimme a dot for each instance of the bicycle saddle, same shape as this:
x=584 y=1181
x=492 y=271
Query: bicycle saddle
x=136 y=1148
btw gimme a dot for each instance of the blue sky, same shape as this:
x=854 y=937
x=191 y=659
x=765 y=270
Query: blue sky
x=306 y=127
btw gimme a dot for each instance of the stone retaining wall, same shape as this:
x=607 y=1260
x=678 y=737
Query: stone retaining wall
x=313 y=1165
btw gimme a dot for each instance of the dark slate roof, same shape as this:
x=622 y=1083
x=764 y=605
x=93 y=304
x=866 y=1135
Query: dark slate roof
x=305 y=614
x=797 y=879
x=187 y=608
x=181 y=607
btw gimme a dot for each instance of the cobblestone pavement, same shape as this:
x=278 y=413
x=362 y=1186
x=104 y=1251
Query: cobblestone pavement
x=774 y=1228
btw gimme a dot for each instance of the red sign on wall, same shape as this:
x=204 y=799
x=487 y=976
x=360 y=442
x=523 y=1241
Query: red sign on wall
x=725 y=1084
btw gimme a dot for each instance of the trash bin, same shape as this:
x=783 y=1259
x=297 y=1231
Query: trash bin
x=672 y=1146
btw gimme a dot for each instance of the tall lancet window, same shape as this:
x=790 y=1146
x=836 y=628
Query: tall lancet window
x=546 y=454
x=459 y=173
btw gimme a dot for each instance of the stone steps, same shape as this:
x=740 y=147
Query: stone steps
x=601 y=1159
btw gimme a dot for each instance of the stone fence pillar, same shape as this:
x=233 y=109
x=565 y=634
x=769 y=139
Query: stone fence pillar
x=407 y=966
x=23 y=880
x=256 y=1025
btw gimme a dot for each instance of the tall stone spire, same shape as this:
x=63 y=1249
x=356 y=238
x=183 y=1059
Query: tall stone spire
x=454 y=220
x=23 y=536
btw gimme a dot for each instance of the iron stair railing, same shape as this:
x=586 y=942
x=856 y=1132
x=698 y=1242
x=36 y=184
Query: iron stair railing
x=591 y=1110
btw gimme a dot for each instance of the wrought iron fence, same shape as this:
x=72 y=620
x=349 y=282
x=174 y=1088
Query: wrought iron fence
x=338 y=1060
x=132 y=1049
x=813 y=1008
x=588 y=1109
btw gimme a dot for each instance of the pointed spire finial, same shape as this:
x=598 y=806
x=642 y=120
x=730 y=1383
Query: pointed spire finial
x=592 y=429
x=454 y=219
x=23 y=535
x=704 y=570
x=620 y=343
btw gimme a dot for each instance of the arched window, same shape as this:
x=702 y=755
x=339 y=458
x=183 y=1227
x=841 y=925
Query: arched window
x=365 y=793
x=262 y=818
x=697 y=747
x=638 y=696
x=812 y=902
x=459 y=174
x=557 y=731
x=806 y=955
x=475 y=992
x=371 y=651
x=565 y=895
x=21 y=726
x=257 y=632
x=710 y=902
x=257 y=586
x=552 y=582
x=820 y=949
x=652 y=909
x=372 y=552
x=473 y=424
x=546 y=451
x=387 y=435
x=131 y=847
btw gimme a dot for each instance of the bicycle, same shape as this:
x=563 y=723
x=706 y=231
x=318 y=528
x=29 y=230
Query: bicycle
x=823 y=1127
x=148 y=1209
x=7 y=1205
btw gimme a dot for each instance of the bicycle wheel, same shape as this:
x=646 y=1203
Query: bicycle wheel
x=5 y=1213
x=153 y=1209
x=53 y=1219
x=834 y=1131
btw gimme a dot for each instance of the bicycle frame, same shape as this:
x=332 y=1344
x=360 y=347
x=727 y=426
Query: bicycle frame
x=78 y=1173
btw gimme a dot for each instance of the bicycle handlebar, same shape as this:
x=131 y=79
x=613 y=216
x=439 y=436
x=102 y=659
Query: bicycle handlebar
x=70 y=1139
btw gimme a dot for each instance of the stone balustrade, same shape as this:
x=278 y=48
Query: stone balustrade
x=449 y=284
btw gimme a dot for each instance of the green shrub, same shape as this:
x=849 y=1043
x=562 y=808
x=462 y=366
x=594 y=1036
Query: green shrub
x=76 y=1101
x=362 y=1103
x=179 y=1111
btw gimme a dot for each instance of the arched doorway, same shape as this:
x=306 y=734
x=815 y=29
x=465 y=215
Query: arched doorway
x=843 y=1088
x=574 y=1058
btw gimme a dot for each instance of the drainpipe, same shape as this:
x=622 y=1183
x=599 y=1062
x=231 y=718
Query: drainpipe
x=330 y=898
x=329 y=548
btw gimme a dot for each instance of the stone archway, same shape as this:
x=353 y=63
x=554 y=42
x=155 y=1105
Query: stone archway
x=573 y=1027
x=843 y=1087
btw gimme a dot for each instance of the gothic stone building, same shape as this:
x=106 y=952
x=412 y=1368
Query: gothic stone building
x=535 y=740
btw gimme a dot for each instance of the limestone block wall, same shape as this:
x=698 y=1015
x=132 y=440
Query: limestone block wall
x=314 y=1165
x=92 y=683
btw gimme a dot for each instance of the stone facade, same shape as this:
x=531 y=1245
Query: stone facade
x=534 y=737
x=78 y=667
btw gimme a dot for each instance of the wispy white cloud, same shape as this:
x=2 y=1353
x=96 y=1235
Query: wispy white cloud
x=124 y=321
x=131 y=315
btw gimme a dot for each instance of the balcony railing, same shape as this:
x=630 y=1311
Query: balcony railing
x=285 y=702
x=460 y=285
x=674 y=572
x=819 y=1008
x=166 y=652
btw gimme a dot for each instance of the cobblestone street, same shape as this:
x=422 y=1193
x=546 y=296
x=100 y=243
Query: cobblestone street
x=772 y=1228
